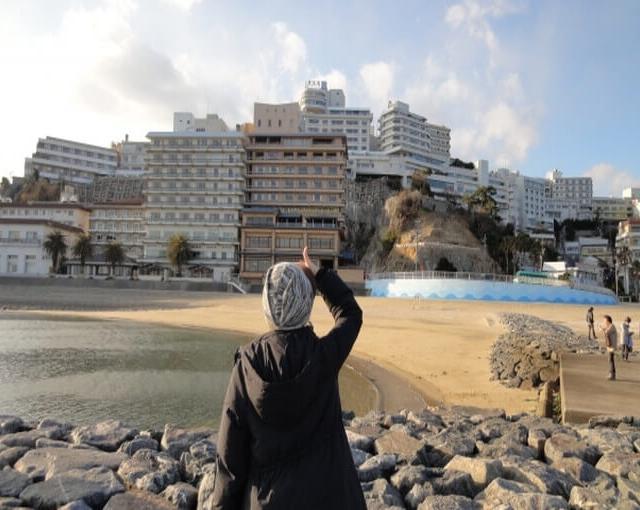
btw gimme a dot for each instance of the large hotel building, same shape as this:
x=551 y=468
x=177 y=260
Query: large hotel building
x=294 y=198
x=194 y=181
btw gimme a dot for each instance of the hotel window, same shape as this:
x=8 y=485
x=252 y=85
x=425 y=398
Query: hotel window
x=258 y=242
x=257 y=264
x=289 y=242
x=321 y=243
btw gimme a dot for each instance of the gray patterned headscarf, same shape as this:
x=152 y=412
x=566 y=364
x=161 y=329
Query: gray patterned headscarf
x=287 y=297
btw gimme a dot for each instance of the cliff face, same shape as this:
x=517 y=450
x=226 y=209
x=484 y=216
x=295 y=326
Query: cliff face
x=409 y=222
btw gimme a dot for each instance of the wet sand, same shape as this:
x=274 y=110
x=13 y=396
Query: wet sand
x=440 y=348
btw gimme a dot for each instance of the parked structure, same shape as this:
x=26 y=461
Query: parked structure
x=194 y=186
x=295 y=197
x=72 y=162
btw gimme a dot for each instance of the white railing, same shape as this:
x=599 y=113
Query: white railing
x=488 y=277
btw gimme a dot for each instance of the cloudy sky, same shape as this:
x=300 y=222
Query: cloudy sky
x=530 y=84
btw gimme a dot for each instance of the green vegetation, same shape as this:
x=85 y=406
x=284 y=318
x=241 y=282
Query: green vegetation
x=114 y=255
x=420 y=183
x=83 y=249
x=481 y=200
x=56 y=247
x=388 y=240
x=179 y=252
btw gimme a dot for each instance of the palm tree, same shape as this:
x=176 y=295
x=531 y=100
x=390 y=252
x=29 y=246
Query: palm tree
x=56 y=247
x=83 y=249
x=114 y=255
x=179 y=252
x=482 y=198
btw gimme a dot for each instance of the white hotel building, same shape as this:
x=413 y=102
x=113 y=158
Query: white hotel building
x=194 y=184
x=324 y=111
x=72 y=162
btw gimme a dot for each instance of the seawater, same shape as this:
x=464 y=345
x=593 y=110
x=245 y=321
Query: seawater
x=83 y=371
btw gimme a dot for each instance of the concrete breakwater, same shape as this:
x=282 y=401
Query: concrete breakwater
x=437 y=458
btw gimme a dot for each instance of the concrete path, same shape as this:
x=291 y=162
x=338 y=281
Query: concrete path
x=586 y=392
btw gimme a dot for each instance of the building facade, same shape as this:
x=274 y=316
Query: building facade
x=120 y=222
x=324 y=111
x=406 y=134
x=568 y=197
x=131 y=156
x=193 y=185
x=187 y=121
x=69 y=214
x=72 y=162
x=22 y=244
x=294 y=197
x=612 y=209
x=277 y=118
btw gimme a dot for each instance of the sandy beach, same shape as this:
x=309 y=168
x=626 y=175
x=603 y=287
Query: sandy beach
x=439 y=347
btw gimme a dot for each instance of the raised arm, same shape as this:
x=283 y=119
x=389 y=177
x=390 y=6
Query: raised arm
x=233 y=446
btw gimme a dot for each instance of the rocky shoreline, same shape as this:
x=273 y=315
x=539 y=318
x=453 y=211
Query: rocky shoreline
x=435 y=459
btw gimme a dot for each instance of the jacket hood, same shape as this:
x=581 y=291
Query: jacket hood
x=281 y=402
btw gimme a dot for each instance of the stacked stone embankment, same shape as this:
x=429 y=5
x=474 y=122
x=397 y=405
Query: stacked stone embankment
x=527 y=354
x=435 y=459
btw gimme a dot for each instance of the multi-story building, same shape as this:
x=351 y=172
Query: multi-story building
x=194 y=186
x=295 y=197
x=405 y=134
x=629 y=237
x=526 y=201
x=131 y=157
x=70 y=214
x=22 y=244
x=276 y=118
x=120 y=222
x=72 y=162
x=612 y=209
x=324 y=111
x=568 y=197
x=186 y=121
x=375 y=164
x=596 y=247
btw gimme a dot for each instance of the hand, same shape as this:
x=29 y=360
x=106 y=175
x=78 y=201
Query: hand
x=308 y=263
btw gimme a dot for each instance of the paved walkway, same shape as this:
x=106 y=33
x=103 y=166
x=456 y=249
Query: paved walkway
x=586 y=392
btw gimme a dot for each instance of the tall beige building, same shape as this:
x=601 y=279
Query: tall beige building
x=294 y=198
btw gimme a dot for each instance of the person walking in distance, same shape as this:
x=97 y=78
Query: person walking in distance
x=611 y=343
x=590 y=327
x=281 y=442
x=627 y=339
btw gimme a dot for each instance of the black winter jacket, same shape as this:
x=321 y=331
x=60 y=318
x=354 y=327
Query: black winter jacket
x=281 y=443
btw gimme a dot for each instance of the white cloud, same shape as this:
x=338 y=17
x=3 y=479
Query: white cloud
x=292 y=50
x=185 y=5
x=377 y=79
x=609 y=181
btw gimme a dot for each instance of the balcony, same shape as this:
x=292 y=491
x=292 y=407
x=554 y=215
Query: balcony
x=13 y=241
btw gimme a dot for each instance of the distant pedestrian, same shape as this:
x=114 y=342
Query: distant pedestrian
x=627 y=339
x=590 y=327
x=611 y=343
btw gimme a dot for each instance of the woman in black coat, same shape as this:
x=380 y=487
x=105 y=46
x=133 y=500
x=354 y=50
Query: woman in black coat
x=281 y=442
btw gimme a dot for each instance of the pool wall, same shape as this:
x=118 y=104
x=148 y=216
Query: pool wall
x=484 y=291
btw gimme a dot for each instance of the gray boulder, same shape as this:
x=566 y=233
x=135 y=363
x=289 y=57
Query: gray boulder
x=359 y=456
x=377 y=466
x=149 y=470
x=55 y=427
x=176 y=440
x=417 y=495
x=201 y=453
x=447 y=503
x=609 y=421
x=546 y=478
x=607 y=440
x=560 y=445
x=380 y=494
x=138 y=500
x=11 y=503
x=359 y=441
x=536 y=439
x=602 y=495
x=482 y=470
x=27 y=438
x=139 y=443
x=10 y=456
x=45 y=442
x=10 y=424
x=400 y=443
x=582 y=471
x=454 y=482
x=107 y=435
x=12 y=483
x=619 y=464
x=94 y=486
x=76 y=505
x=515 y=495
x=407 y=477
x=629 y=489
x=445 y=445
x=44 y=463
x=182 y=495
x=206 y=486
x=505 y=447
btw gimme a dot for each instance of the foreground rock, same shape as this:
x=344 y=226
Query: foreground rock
x=439 y=458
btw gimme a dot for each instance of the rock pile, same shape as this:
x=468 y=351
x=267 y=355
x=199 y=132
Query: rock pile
x=444 y=458
x=527 y=354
